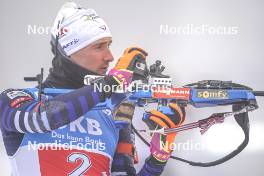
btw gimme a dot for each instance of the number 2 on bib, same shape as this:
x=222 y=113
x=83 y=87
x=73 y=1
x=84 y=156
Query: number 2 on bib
x=83 y=167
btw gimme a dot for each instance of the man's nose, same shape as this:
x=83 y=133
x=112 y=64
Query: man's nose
x=108 y=56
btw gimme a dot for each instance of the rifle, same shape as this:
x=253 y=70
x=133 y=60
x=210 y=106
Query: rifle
x=207 y=93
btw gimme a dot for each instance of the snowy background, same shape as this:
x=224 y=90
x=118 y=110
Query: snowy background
x=231 y=48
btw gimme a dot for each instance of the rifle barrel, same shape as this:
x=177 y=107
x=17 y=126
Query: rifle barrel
x=30 y=79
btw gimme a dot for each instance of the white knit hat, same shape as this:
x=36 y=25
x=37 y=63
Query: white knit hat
x=78 y=27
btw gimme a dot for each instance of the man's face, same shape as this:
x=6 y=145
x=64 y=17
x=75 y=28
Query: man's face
x=95 y=57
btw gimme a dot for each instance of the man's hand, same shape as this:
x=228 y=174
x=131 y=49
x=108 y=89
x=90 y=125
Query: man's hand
x=131 y=66
x=166 y=117
x=123 y=77
x=132 y=58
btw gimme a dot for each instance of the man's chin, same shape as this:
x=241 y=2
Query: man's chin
x=102 y=71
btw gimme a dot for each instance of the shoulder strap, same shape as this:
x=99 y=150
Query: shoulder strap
x=243 y=122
